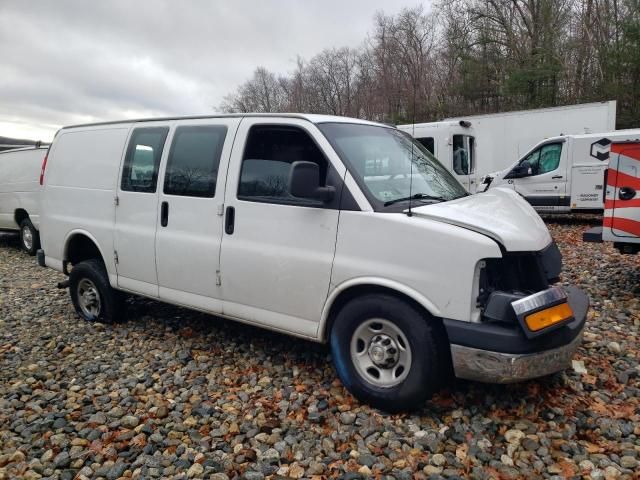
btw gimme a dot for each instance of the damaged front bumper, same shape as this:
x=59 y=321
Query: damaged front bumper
x=505 y=352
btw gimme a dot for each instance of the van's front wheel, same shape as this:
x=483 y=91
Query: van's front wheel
x=29 y=237
x=386 y=352
x=93 y=297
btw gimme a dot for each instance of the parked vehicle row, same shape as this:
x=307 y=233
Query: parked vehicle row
x=563 y=174
x=332 y=229
x=473 y=147
x=19 y=194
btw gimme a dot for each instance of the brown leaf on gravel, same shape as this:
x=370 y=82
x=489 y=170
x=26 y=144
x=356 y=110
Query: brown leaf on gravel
x=592 y=447
x=613 y=410
x=139 y=440
x=567 y=470
x=95 y=446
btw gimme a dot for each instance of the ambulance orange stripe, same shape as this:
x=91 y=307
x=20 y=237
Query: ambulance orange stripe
x=618 y=179
x=631 y=150
x=608 y=204
x=623 y=224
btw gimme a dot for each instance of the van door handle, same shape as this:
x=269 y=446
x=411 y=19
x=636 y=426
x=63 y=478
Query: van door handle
x=229 y=220
x=555 y=177
x=164 y=214
x=626 y=193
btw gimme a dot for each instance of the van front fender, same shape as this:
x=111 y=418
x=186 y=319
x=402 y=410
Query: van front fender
x=360 y=283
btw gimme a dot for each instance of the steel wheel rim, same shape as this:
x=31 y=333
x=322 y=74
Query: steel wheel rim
x=380 y=352
x=27 y=237
x=88 y=298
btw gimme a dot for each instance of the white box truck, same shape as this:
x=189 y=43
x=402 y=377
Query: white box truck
x=563 y=174
x=333 y=229
x=19 y=194
x=621 y=220
x=474 y=146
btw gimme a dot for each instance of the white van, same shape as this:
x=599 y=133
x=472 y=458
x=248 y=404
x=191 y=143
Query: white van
x=563 y=174
x=19 y=194
x=332 y=229
x=621 y=220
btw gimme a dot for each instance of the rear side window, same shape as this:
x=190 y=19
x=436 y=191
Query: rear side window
x=140 y=172
x=194 y=158
x=268 y=155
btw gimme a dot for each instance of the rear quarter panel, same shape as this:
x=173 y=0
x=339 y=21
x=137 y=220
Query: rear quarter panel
x=79 y=191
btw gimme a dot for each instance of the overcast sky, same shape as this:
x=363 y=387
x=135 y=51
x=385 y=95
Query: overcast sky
x=67 y=62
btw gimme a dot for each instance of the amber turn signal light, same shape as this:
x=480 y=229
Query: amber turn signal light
x=549 y=316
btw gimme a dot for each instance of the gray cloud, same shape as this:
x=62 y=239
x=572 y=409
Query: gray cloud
x=67 y=62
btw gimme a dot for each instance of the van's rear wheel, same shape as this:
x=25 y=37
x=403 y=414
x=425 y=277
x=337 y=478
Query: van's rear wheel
x=386 y=352
x=92 y=295
x=29 y=237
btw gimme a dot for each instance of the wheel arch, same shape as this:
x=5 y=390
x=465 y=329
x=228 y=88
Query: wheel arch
x=361 y=286
x=80 y=245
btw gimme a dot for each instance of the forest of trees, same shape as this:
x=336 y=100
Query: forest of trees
x=465 y=57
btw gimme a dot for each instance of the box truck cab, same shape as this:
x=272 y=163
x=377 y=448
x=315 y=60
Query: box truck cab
x=333 y=229
x=453 y=143
x=19 y=194
x=621 y=220
x=563 y=174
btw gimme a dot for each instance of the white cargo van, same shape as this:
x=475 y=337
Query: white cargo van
x=563 y=174
x=332 y=229
x=621 y=220
x=19 y=194
x=476 y=145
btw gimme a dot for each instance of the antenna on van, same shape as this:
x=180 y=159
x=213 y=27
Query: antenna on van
x=413 y=139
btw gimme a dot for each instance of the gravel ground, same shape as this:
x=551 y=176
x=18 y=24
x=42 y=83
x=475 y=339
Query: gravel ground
x=177 y=394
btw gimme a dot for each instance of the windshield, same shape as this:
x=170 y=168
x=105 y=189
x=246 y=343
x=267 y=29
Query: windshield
x=390 y=166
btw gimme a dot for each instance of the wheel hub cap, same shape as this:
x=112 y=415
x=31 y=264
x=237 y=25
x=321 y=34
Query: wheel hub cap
x=383 y=351
x=27 y=237
x=380 y=352
x=89 y=298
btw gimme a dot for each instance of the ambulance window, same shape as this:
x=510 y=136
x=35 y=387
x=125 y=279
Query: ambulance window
x=428 y=143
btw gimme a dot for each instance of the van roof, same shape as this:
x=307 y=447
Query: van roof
x=313 y=118
x=22 y=149
x=631 y=133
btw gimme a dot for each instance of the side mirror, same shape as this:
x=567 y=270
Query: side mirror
x=520 y=171
x=304 y=182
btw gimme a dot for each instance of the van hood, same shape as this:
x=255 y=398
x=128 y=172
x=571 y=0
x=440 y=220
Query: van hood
x=498 y=213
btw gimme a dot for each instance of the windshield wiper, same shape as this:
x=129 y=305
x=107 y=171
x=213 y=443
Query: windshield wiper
x=415 y=196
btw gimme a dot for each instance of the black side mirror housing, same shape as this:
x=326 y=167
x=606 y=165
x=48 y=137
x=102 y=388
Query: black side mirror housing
x=304 y=182
x=520 y=171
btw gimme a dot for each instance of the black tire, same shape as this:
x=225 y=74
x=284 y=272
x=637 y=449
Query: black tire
x=29 y=237
x=428 y=365
x=88 y=275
